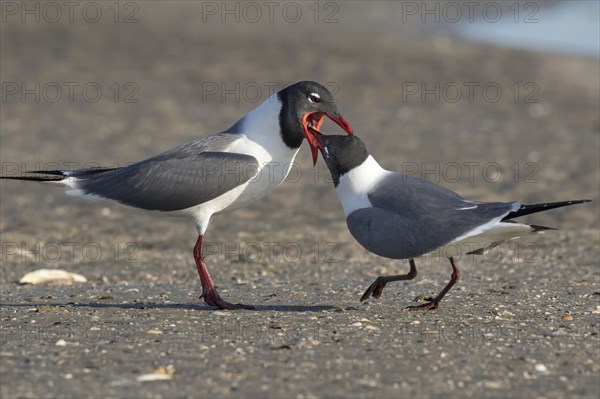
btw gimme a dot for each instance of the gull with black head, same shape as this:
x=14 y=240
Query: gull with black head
x=402 y=217
x=213 y=174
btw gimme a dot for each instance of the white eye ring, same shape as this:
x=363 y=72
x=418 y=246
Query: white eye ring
x=314 y=98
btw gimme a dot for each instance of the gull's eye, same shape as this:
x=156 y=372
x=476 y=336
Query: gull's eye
x=314 y=98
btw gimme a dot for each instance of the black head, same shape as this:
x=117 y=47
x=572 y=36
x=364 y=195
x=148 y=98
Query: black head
x=342 y=154
x=304 y=107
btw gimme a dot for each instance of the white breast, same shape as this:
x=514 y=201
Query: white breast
x=261 y=138
x=355 y=185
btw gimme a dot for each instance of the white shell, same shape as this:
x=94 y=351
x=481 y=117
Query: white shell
x=45 y=276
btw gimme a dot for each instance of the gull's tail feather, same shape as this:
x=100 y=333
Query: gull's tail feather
x=537 y=228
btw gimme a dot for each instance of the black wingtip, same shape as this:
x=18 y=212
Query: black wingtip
x=49 y=175
x=58 y=175
x=49 y=172
x=534 y=208
x=32 y=178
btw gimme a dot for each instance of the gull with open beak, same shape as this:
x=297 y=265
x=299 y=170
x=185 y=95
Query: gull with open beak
x=213 y=174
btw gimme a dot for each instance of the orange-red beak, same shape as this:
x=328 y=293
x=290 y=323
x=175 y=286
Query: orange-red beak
x=312 y=124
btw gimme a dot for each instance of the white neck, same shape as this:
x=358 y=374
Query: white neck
x=263 y=135
x=355 y=185
x=261 y=125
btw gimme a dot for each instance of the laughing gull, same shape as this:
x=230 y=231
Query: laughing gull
x=402 y=217
x=213 y=174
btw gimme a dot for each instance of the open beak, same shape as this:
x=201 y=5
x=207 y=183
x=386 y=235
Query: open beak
x=319 y=138
x=312 y=124
x=342 y=123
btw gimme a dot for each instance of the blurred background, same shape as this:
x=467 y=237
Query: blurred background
x=496 y=100
x=426 y=84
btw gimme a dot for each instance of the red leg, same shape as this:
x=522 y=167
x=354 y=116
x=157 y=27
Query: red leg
x=433 y=304
x=209 y=291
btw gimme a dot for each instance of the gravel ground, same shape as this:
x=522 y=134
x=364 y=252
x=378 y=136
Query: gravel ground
x=522 y=322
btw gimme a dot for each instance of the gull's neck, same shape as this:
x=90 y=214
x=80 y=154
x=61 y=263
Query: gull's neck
x=355 y=185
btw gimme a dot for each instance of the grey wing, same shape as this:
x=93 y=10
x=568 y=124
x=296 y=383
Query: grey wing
x=177 y=179
x=411 y=217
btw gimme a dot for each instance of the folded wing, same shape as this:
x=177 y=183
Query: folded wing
x=411 y=217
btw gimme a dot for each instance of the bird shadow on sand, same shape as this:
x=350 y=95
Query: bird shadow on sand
x=158 y=306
